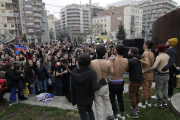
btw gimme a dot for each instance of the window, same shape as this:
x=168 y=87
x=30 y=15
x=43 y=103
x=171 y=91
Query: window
x=28 y=6
x=98 y=20
x=112 y=26
x=2 y=5
x=101 y=20
x=12 y=25
x=112 y=13
x=105 y=19
x=132 y=10
x=119 y=12
x=104 y=25
x=29 y=12
x=119 y=18
x=106 y=13
x=3 y=11
x=5 y=25
x=28 y=0
x=120 y=23
x=94 y=21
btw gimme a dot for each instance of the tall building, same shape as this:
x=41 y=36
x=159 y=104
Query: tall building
x=127 y=15
x=76 y=18
x=9 y=17
x=120 y=3
x=30 y=14
x=156 y=9
x=51 y=25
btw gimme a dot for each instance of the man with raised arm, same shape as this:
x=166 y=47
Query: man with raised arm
x=162 y=78
x=102 y=68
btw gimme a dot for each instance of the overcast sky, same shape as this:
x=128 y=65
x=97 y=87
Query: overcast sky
x=54 y=9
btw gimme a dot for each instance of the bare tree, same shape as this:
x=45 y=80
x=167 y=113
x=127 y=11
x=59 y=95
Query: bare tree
x=97 y=28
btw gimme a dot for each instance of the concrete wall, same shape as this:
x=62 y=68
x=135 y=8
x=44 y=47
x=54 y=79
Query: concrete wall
x=166 y=27
x=120 y=3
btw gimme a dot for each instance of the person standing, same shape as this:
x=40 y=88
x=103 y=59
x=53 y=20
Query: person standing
x=83 y=85
x=136 y=79
x=163 y=77
x=102 y=68
x=147 y=61
x=172 y=52
x=116 y=82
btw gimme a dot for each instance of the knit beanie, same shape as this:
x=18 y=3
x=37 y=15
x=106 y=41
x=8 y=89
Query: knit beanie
x=173 y=41
x=160 y=48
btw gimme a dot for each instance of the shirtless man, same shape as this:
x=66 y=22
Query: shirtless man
x=162 y=78
x=102 y=68
x=116 y=82
x=147 y=61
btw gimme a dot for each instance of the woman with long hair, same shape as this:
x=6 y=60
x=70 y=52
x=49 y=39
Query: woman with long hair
x=29 y=75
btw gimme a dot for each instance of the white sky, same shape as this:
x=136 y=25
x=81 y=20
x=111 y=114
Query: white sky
x=54 y=10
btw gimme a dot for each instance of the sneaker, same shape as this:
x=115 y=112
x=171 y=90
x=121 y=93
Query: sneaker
x=154 y=97
x=149 y=105
x=165 y=104
x=115 y=117
x=159 y=106
x=136 y=109
x=122 y=118
x=141 y=105
x=16 y=102
x=133 y=116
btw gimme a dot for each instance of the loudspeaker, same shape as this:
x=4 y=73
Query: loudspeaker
x=139 y=44
x=127 y=43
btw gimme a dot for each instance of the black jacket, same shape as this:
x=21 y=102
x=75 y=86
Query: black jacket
x=135 y=70
x=83 y=85
x=29 y=76
x=12 y=79
x=42 y=73
x=22 y=82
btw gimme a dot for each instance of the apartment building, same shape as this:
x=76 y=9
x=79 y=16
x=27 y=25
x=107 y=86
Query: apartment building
x=9 y=17
x=30 y=14
x=127 y=15
x=156 y=9
x=76 y=18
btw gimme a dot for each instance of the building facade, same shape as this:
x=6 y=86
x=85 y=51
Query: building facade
x=156 y=9
x=9 y=17
x=127 y=15
x=30 y=15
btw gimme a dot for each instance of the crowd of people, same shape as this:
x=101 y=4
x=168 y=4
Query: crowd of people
x=91 y=72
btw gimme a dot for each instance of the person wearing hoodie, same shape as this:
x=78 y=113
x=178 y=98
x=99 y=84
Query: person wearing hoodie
x=21 y=85
x=136 y=79
x=12 y=79
x=83 y=85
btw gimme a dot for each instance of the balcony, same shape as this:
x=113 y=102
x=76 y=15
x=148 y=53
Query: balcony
x=12 y=8
x=37 y=20
x=73 y=11
x=37 y=15
x=37 y=9
x=30 y=31
x=73 y=14
x=37 y=3
x=37 y=26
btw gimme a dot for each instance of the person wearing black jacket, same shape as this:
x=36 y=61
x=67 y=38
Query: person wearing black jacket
x=43 y=76
x=83 y=85
x=21 y=85
x=136 y=79
x=172 y=52
x=12 y=79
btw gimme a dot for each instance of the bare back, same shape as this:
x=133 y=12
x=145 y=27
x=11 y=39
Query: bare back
x=120 y=66
x=164 y=59
x=150 y=57
x=101 y=67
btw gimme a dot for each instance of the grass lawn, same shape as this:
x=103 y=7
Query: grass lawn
x=152 y=113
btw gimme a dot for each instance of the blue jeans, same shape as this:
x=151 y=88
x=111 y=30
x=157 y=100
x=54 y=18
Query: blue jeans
x=43 y=85
x=59 y=89
x=33 y=90
x=13 y=94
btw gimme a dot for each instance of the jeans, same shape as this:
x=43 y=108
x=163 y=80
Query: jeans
x=146 y=86
x=33 y=90
x=162 y=86
x=59 y=89
x=86 y=108
x=171 y=85
x=102 y=96
x=134 y=93
x=13 y=94
x=43 y=85
x=116 y=89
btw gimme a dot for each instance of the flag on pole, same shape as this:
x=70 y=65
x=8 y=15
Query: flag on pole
x=20 y=48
